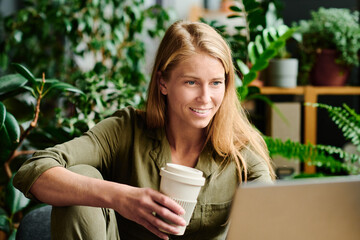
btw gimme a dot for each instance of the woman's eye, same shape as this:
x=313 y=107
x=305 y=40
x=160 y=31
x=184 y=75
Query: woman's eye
x=216 y=83
x=191 y=82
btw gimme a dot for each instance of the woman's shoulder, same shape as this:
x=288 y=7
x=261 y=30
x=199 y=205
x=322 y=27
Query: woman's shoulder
x=258 y=169
x=129 y=113
x=122 y=120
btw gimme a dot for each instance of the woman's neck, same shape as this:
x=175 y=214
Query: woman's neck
x=185 y=145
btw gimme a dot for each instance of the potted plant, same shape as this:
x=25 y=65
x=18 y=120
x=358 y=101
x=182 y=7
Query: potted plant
x=283 y=69
x=253 y=45
x=330 y=44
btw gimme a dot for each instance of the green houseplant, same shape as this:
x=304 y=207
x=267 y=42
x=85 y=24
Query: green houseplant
x=13 y=134
x=253 y=44
x=99 y=46
x=56 y=37
x=283 y=68
x=331 y=41
x=283 y=72
x=334 y=159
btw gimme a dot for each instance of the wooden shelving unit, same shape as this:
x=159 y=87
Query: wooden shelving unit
x=310 y=94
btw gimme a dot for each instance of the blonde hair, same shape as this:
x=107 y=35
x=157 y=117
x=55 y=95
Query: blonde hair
x=229 y=131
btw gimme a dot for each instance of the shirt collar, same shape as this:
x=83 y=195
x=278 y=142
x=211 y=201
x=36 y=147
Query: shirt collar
x=208 y=161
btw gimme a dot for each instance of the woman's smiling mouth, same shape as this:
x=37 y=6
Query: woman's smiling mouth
x=200 y=111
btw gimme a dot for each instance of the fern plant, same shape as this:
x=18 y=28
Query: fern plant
x=333 y=158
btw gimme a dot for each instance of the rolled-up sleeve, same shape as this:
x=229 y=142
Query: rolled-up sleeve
x=98 y=147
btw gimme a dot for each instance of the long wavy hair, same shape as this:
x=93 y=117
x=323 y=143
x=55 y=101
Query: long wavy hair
x=229 y=131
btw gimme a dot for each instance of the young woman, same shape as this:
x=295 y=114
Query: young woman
x=192 y=118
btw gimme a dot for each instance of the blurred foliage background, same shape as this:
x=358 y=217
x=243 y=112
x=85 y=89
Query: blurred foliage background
x=91 y=54
x=94 y=48
x=98 y=46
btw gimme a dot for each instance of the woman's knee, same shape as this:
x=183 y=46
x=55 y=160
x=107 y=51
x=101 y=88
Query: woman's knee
x=83 y=222
x=78 y=222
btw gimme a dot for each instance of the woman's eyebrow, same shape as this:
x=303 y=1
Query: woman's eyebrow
x=194 y=77
x=188 y=76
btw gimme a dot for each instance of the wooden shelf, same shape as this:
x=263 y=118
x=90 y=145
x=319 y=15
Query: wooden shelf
x=346 y=90
x=310 y=94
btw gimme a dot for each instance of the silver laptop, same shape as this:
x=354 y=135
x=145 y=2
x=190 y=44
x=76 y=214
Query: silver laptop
x=307 y=209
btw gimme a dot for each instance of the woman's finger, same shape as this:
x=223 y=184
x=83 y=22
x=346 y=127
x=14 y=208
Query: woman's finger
x=149 y=226
x=168 y=215
x=168 y=203
x=163 y=225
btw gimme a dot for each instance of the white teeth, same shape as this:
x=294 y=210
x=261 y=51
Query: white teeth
x=200 y=111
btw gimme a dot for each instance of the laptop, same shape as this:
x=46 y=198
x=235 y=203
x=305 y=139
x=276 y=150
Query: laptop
x=307 y=209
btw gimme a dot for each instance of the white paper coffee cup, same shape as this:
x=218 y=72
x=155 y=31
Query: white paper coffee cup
x=183 y=185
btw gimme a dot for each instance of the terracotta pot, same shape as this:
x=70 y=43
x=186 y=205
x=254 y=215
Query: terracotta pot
x=326 y=72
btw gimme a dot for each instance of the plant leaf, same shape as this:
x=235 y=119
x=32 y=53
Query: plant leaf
x=260 y=65
x=5 y=142
x=242 y=67
x=248 y=78
x=254 y=90
x=11 y=82
x=4 y=222
x=13 y=234
x=15 y=200
x=272 y=33
x=235 y=8
x=30 y=90
x=4 y=156
x=24 y=72
x=278 y=44
x=252 y=52
x=250 y=5
x=239 y=28
x=255 y=18
x=282 y=29
x=258 y=44
x=233 y=16
x=268 y=54
x=13 y=130
x=242 y=92
x=265 y=35
x=63 y=87
x=2 y=114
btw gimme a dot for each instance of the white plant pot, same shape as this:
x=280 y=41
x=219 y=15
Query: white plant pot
x=283 y=72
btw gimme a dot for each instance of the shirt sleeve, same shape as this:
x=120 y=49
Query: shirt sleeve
x=258 y=169
x=97 y=147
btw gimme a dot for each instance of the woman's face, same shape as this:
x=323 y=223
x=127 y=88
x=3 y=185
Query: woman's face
x=195 y=90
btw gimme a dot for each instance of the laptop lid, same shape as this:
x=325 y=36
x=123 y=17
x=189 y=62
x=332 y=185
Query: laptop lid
x=321 y=209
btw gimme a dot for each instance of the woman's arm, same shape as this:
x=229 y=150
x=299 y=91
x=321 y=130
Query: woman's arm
x=61 y=187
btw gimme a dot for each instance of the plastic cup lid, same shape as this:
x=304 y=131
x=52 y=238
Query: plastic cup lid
x=183 y=174
x=183 y=170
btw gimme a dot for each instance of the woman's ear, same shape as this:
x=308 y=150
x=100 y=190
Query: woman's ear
x=162 y=84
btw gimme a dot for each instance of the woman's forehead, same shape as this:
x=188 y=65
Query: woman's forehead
x=199 y=64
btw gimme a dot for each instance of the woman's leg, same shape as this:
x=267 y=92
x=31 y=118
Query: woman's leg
x=80 y=222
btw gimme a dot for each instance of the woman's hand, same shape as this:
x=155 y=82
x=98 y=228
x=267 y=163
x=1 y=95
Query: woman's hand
x=140 y=204
x=61 y=187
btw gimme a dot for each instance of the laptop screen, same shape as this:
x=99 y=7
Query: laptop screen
x=321 y=208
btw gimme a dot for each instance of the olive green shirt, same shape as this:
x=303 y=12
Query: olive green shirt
x=124 y=150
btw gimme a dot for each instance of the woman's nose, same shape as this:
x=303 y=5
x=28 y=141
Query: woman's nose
x=204 y=95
